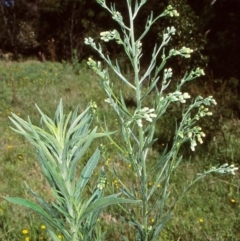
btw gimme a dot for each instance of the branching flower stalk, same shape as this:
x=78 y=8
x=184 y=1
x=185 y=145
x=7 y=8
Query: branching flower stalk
x=138 y=127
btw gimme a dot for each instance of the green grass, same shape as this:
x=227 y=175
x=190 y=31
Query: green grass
x=210 y=211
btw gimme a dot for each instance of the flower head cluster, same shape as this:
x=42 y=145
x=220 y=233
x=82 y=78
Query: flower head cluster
x=184 y=51
x=117 y=16
x=192 y=75
x=138 y=47
x=203 y=111
x=209 y=100
x=110 y=35
x=102 y=183
x=179 y=96
x=144 y=113
x=198 y=72
x=92 y=64
x=170 y=31
x=225 y=168
x=168 y=73
x=90 y=41
x=170 y=11
x=194 y=134
x=93 y=106
x=97 y=68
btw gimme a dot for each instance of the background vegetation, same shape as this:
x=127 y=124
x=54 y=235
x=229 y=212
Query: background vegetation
x=50 y=30
x=55 y=30
x=58 y=28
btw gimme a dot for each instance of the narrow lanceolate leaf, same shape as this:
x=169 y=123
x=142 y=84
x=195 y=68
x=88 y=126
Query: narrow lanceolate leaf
x=149 y=144
x=59 y=116
x=79 y=126
x=37 y=209
x=106 y=201
x=47 y=121
x=125 y=238
x=21 y=124
x=87 y=173
x=57 y=179
x=83 y=150
x=101 y=236
x=128 y=193
x=53 y=236
x=161 y=226
x=43 y=204
x=64 y=128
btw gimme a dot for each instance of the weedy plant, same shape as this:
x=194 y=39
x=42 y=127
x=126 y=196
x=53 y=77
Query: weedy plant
x=138 y=126
x=60 y=144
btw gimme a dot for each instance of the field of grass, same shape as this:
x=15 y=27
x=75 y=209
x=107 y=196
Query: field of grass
x=210 y=211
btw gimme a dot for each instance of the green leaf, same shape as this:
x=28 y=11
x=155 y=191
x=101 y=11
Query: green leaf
x=128 y=193
x=62 y=210
x=79 y=124
x=43 y=204
x=53 y=236
x=125 y=238
x=100 y=237
x=37 y=209
x=106 y=201
x=161 y=226
x=87 y=173
x=149 y=144
x=82 y=151
x=58 y=180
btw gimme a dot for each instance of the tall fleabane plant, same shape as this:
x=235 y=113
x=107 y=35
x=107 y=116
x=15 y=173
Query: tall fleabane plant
x=138 y=126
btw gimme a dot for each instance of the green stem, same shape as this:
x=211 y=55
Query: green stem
x=140 y=156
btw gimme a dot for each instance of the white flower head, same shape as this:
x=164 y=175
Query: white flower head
x=171 y=30
x=168 y=73
x=139 y=123
x=186 y=95
x=171 y=11
x=199 y=72
x=226 y=168
x=107 y=100
x=193 y=144
x=89 y=41
x=144 y=113
x=153 y=115
x=107 y=35
x=117 y=16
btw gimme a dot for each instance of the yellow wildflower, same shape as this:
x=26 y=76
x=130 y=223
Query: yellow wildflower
x=20 y=156
x=43 y=227
x=24 y=231
x=200 y=220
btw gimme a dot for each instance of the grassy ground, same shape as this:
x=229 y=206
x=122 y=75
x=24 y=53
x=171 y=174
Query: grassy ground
x=210 y=211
